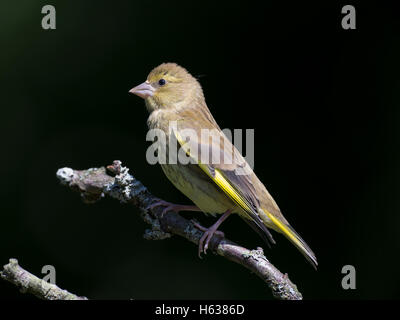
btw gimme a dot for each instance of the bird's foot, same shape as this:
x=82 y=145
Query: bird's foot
x=208 y=233
x=206 y=237
x=171 y=207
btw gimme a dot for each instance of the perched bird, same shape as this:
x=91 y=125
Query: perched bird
x=226 y=186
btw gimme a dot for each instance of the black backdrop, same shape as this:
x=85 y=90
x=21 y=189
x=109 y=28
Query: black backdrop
x=323 y=102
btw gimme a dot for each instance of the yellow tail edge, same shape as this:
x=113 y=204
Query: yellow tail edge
x=294 y=237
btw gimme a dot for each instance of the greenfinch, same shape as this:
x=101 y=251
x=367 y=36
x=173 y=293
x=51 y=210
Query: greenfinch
x=218 y=180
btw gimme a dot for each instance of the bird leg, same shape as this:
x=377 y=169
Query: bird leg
x=172 y=207
x=208 y=233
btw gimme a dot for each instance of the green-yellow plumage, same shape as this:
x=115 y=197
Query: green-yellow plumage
x=172 y=94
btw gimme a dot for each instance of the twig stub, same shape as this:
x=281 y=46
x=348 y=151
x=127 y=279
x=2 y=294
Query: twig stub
x=29 y=283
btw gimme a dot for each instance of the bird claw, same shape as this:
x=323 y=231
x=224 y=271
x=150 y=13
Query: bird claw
x=156 y=204
x=168 y=207
x=198 y=225
x=206 y=237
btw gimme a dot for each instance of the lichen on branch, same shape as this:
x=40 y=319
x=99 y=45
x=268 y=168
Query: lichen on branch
x=115 y=181
x=29 y=283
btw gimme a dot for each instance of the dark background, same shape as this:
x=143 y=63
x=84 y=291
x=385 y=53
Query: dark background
x=324 y=103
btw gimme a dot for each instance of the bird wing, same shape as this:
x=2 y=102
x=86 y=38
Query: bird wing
x=233 y=175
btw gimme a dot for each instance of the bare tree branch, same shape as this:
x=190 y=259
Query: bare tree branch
x=30 y=283
x=116 y=182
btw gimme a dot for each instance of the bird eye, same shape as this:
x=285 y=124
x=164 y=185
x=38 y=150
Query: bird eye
x=161 y=82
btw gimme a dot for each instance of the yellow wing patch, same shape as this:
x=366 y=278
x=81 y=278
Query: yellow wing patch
x=259 y=216
x=220 y=180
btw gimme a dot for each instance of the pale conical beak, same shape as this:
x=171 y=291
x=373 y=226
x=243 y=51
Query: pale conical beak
x=143 y=90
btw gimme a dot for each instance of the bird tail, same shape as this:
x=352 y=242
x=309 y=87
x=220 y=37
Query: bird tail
x=293 y=237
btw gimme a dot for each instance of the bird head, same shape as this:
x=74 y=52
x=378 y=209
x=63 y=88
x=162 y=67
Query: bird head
x=168 y=86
